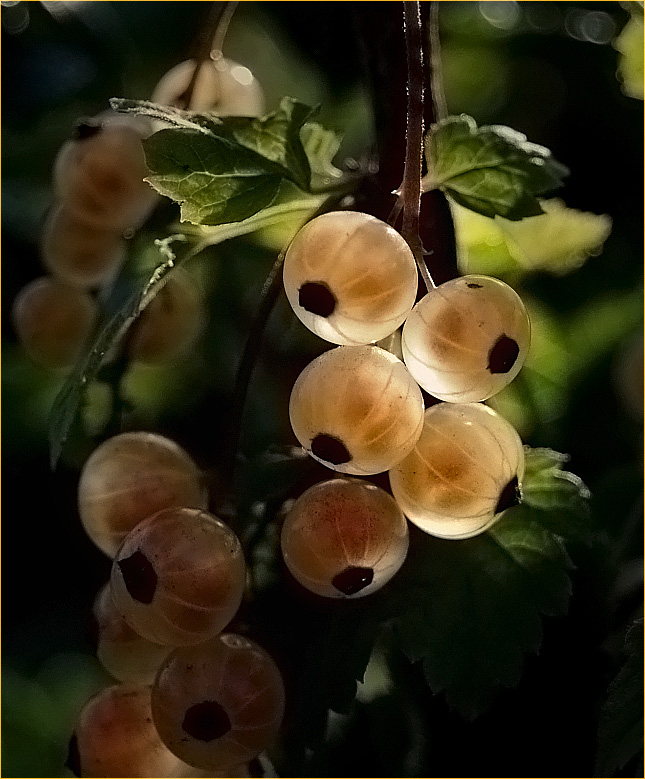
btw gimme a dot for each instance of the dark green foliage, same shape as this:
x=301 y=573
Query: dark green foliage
x=620 y=734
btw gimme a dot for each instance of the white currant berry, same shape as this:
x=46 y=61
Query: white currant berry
x=356 y=409
x=222 y=86
x=115 y=736
x=178 y=577
x=467 y=339
x=171 y=323
x=128 y=478
x=464 y=471
x=53 y=320
x=80 y=254
x=99 y=175
x=344 y=538
x=219 y=703
x=350 y=278
x=122 y=651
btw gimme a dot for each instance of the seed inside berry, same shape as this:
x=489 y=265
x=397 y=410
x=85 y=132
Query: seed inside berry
x=330 y=449
x=139 y=576
x=472 y=285
x=317 y=298
x=503 y=355
x=206 y=721
x=509 y=496
x=353 y=579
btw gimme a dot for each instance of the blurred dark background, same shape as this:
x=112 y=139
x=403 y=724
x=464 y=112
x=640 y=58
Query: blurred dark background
x=545 y=69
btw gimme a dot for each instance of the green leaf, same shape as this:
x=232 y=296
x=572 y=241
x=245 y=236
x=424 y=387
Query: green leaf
x=557 y=499
x=224 y=169
x=276 y=138
x=620 y=731
x=321 y=146
x=213 y=179
x=471 y=609
x=493 y=170
x=128 y=298
x=630 y=61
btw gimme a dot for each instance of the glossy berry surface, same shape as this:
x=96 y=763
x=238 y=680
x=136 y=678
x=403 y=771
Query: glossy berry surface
x=344 y=538
x=178 y=577
x=464 y=471
x=128 y=478
x=115 y=736
x=356 y=409
x=350 y=278
x=467 y=339
x=99 y=175
x=170 y=323
x=219 y=703
x=222 y=86
x=122 y=651
x=53 y=320
x=80 y=254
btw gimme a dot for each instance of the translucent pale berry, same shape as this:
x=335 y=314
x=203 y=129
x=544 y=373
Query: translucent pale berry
x=115 y=736
x=53 y=320
x=130 y=477
x=467 y=339
x=218 y=703
x=222 y=86
x=350 y=278
x=464 y=471
x=178 y=577
x=344 y=538
x=78 y=253
x=123 y=652
x=99 y=176
x=356 y=409
x=171 y=322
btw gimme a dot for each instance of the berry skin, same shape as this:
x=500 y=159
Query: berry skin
x=467 y=339
x=130 y=477
x=79 y=254
x=356 y=409
x=219 y=703
x=350 y=278
x=115 y=736
x=178 y=577
x=344 y=538
x=222 y=86
x=170 y=323
x=124 y=653
x=99 y=176
x=52 y=321
x=463 y=473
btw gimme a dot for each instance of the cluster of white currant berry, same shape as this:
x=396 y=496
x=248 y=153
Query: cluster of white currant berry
x=101 y=200
x=191 y=700
x=191 y=697
x=358 y=409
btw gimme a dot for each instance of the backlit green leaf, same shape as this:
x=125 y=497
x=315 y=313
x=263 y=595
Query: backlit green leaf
x=493 y=170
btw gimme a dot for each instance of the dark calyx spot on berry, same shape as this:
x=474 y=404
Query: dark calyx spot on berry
x=503 y=355
x=317 y=298
x=472 y=285
x=206 y=721
x=330 y=449
x=139 y=576
x=353 y=579
x=509 y=496
x=86 y=129
x=73 y=761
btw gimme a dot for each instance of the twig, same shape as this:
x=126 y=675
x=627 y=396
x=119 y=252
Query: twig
x=211 y=40
x=410 y=189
